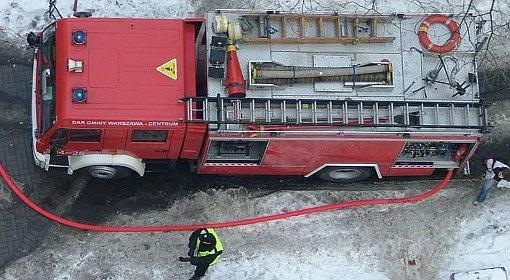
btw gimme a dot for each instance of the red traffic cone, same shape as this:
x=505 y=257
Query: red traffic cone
x=236 y=85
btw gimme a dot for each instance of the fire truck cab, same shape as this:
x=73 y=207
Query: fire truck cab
x=343 y=97
x=99 y=102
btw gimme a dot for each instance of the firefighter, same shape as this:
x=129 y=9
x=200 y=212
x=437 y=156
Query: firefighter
x=496 y=170
x=205 y=248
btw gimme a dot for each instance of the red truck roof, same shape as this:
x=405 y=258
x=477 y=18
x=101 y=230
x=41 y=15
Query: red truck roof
x=120 y=60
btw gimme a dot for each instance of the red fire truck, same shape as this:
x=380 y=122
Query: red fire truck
x=342 y=97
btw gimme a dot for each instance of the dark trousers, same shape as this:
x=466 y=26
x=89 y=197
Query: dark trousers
x=200 y=271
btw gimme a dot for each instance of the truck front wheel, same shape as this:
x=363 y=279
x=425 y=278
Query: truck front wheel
x=345 y=174
x=108 y=172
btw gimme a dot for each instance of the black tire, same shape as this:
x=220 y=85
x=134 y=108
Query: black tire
x=108 y=172
x=345 y=174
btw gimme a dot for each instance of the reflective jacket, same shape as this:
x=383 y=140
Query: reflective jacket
x=204 y=254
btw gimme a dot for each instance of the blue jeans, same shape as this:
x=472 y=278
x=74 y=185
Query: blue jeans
x=488 y=184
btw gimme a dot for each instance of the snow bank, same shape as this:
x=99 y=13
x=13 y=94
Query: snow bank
x=17 y=17
x=21 y=16
x=484 y=242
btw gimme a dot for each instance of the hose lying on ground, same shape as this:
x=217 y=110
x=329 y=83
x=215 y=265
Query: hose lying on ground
x=248 y=221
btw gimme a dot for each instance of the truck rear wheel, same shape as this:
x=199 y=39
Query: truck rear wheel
x=345 y=174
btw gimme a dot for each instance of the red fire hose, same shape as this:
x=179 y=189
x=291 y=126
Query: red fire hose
x=248 y=221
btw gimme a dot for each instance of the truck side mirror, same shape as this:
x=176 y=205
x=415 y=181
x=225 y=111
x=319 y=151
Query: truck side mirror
x=32 y=39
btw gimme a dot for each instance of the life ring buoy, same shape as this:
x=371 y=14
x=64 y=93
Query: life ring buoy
x=452 y=25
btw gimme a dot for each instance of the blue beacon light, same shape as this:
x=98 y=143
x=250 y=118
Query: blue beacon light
x=79 y=37
x=79 y=95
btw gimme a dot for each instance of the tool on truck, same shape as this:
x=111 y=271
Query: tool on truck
x=342 y=97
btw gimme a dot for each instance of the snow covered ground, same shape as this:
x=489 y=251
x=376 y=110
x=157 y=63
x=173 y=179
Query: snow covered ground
x=21 y=16
x=17 y=17
x=429 y=240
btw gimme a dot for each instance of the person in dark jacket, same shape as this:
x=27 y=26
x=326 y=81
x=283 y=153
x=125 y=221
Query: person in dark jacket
x=205 y=248
x=496 y=171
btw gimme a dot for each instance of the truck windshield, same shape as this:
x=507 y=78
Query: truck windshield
x=48 y=78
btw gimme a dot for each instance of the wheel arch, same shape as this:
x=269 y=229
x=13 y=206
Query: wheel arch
x=82 y=161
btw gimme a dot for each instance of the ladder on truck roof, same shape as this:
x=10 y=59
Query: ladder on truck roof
x=265 y=111
x=312 y=29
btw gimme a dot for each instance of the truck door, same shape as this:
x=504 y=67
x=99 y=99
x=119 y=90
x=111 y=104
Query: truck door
x=149 y=144
x=114 y=140
x=71 y=141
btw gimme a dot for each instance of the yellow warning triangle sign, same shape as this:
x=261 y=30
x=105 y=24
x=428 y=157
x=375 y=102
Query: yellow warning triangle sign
x=169 y=69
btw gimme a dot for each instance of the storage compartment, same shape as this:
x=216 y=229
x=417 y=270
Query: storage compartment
x=236 y=151
x=432 y=154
